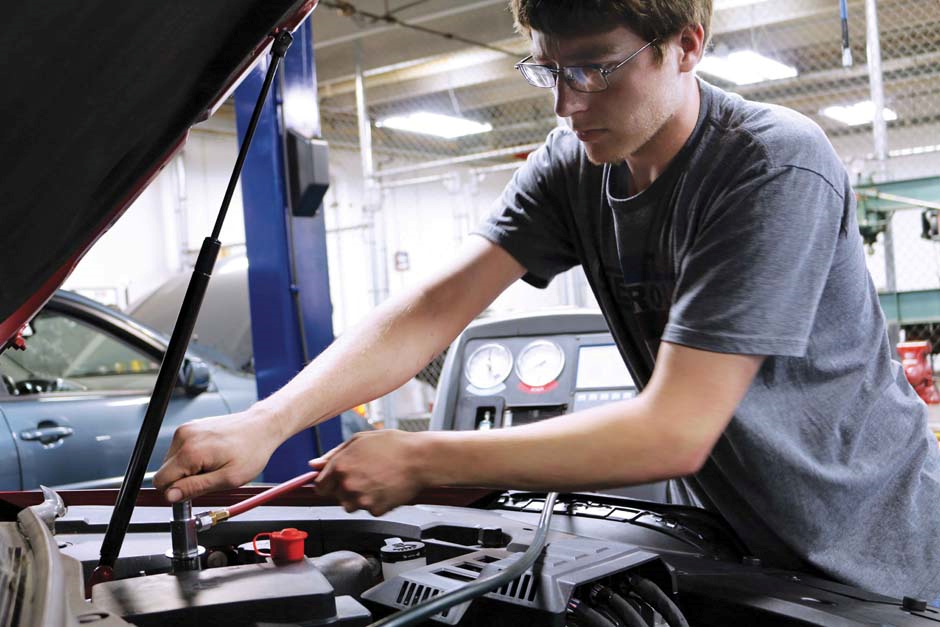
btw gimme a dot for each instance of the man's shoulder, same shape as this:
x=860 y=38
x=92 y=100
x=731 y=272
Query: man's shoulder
x=773 y=135
x=767 y=123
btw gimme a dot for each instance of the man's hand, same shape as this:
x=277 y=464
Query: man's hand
x=216 y=454
x=375 y=471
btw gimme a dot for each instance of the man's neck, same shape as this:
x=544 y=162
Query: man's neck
x=651 y=160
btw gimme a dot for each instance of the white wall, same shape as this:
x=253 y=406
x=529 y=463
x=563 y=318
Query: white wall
x=130 y=259
x=428 y=221
x=209 y=157
x=161 y=232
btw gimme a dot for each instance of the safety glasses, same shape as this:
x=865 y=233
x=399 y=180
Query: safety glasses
x=585 y=78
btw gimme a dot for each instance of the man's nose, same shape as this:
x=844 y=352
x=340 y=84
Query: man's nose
x=567 y=100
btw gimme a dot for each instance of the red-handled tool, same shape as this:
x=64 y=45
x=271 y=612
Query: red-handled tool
x=206 y=520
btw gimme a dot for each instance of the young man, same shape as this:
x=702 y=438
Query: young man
x=720 y=239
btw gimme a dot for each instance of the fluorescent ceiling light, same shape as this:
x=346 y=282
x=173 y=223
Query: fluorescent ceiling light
x=857 y=114
x=745 y=67
x=916 y=150
x=435 y=124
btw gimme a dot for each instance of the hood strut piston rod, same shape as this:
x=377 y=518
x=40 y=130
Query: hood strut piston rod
x=175 y=353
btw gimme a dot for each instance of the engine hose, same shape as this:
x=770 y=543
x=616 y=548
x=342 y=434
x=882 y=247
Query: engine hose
x=586 y=615
x=658 y=600
x=603 y=595
x=481 y=586
x=610 y=615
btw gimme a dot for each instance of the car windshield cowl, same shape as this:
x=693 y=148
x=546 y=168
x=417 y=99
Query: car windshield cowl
x=695 y=527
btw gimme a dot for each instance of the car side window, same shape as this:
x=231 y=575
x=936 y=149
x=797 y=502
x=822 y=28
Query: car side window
x=66 y=355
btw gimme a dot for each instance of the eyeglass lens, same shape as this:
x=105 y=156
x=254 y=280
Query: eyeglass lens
x=579 y=78
x=538 y=75
x=585 y=78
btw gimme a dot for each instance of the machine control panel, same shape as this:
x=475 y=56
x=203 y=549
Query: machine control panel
x=506 y=372
x=507 y=381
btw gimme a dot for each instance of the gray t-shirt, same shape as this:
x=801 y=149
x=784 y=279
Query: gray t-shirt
x=748 y=243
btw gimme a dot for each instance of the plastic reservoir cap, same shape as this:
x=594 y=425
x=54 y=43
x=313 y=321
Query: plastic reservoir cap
x=287 y=545
x=397 y=550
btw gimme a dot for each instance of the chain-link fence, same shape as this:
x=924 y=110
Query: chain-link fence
x=806 y=36
x=420 y=178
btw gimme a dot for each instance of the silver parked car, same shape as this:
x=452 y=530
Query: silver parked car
x=72 y=403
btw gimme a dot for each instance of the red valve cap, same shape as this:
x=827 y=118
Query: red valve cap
x=287 y=545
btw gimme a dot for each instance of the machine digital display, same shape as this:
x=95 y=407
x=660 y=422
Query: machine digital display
x=601 y=367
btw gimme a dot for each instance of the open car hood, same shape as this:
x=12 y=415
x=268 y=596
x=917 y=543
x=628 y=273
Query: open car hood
x=97 y=97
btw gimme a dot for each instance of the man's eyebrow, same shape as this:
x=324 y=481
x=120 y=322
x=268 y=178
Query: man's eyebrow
x=584 y=54
x=595 y=51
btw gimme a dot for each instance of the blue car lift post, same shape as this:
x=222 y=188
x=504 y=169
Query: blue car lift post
x=277 y=334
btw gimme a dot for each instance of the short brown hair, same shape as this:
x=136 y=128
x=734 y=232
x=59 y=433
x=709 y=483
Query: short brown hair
x=650 y=19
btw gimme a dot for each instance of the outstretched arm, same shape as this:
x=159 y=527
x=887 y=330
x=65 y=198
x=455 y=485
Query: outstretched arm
x=375 y=357
x=667 y=431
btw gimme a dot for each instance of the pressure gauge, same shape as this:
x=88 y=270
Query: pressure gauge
x=488 y=366
x=540 y=363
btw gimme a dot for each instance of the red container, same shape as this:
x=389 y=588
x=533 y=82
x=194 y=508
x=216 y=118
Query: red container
x=915 y=357
x=287 y=545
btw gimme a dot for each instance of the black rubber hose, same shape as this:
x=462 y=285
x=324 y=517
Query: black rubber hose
x=607 y=612
x=605 y=596
x=658 y=600
x=586 y=615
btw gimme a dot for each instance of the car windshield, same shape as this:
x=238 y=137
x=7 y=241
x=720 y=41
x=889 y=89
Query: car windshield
x=62 y=349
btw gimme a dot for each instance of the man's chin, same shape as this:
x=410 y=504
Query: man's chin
x=599 y=156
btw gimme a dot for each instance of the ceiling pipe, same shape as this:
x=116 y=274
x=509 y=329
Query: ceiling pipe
x=430 y=17
x=490 y=154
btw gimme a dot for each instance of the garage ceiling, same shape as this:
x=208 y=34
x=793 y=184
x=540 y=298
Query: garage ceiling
x=408 y=69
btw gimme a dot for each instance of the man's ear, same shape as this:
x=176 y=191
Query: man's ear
x=692 y=42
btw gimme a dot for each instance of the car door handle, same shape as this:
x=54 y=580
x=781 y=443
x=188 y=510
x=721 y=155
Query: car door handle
x=46 y=434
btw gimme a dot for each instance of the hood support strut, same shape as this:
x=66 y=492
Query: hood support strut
x=176 y=351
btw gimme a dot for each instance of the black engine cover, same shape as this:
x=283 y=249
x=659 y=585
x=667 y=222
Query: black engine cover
x=233 y=595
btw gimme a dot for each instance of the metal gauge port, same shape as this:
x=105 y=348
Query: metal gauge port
x=540 y=363
x=488 y=366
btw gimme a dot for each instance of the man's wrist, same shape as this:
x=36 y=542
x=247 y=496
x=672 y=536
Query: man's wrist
x=273 y=420
x=435 y=459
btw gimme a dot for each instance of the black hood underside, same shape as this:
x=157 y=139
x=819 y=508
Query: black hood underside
x=97 y=96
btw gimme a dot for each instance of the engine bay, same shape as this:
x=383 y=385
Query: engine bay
x=607 y=561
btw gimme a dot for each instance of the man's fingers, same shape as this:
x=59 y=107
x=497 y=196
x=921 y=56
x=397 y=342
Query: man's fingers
x=180 y=437
x=196 y=485
x=319 y=462
x=170 y=472
x=175 y=468
x=175 y=445
x=325 y=482
x=348 y=500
